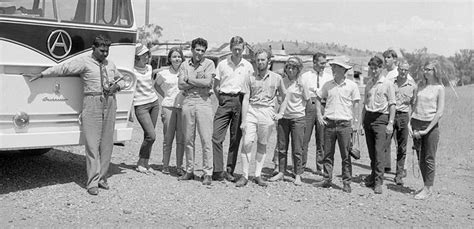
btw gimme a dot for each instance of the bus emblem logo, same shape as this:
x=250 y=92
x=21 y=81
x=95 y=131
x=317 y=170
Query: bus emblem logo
x=59 y=44
x=57 y=88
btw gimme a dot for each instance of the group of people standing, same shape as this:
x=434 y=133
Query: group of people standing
x=251 y=102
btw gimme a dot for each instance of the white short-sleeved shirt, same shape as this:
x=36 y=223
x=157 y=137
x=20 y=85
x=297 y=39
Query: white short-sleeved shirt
x=298 y=95
x=339 y=99
x=311 y=78
x=168 y=82
x=232 y=77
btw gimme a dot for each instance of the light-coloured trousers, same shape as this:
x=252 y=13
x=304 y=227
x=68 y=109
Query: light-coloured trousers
x=197 y=114
x=172 y=126
x=98 y=123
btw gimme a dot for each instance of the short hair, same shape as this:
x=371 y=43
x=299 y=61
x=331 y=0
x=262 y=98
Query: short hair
x=375 y=61
x=199 y=41
x=390 y=52
x=101 y=40
x=260 y=51
x=237 y=40
x=317 y=55
x=175 y=49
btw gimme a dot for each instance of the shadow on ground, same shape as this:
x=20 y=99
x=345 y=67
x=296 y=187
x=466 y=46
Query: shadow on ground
x=21 y=172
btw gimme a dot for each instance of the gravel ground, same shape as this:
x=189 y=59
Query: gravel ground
x=48 y=191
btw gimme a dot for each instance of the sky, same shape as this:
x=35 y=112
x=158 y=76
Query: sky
x=443 y=27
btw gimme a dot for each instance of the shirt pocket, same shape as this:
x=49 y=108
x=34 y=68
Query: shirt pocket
x=379 y=97
x=200 y=75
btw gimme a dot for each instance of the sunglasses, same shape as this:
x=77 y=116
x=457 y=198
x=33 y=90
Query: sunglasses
x=291 y=67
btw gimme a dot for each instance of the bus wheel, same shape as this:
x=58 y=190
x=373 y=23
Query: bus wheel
x=34 y=152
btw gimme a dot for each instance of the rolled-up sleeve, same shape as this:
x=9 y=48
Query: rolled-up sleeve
x=72 y=67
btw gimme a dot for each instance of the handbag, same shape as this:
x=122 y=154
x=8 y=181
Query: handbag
x=354 y=146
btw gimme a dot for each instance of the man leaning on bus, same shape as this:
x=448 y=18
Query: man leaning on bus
x=101 y=81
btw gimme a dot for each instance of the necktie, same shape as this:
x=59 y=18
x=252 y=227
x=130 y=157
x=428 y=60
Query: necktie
x=103 y=77
x=317 y=79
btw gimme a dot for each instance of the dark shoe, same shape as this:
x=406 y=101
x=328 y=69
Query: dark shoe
x=93 y=191
x=398 y=180
x=378 y=189
x=180 y=172
x=166 y=170
x=369 y=182
x=207 y=180
x=260 y=182
x=241 y=182
x=218 y=176
x=229 y=177
x=323 y=184
x=104 y=185
x=388 y=169
x=347 y=188
x=187 y=176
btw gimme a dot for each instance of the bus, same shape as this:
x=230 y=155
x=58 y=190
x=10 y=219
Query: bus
x=37 y=34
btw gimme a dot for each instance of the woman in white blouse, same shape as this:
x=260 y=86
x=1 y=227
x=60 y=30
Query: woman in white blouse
x=166 y=85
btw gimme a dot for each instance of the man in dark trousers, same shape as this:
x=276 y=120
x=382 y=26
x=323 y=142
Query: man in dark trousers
x=228 y=87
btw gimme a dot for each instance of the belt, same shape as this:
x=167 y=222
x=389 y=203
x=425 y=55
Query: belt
x=96 y=93
x=401 y=112
x=337 y=121
x=92 y=93
x=230 y=94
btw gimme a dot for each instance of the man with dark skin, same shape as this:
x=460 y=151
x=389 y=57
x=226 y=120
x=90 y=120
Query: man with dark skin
x=101 y=81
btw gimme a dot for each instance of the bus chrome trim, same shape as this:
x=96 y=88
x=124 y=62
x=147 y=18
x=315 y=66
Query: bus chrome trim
x=54 y=139
x=62 y=24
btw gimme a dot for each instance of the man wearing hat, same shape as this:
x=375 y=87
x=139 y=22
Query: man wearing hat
x=340 y=120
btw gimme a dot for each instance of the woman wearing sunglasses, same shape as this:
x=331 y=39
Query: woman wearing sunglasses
x=427 y=112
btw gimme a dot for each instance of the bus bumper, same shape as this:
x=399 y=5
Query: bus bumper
x=52 y=139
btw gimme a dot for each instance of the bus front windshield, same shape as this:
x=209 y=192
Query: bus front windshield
x=101 y=12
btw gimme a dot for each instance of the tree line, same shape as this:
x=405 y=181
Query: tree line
x=456 y=70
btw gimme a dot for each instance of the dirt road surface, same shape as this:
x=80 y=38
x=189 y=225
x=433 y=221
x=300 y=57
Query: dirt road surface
x=48 y=190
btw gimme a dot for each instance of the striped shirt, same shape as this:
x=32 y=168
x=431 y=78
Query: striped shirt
x=263 y=90
x=144 y=92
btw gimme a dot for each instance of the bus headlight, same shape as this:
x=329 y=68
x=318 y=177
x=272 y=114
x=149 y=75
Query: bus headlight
x=21 y=120
x=128 y=79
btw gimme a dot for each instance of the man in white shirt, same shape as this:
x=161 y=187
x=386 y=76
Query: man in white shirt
x=228 y=88
x=315 y=79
